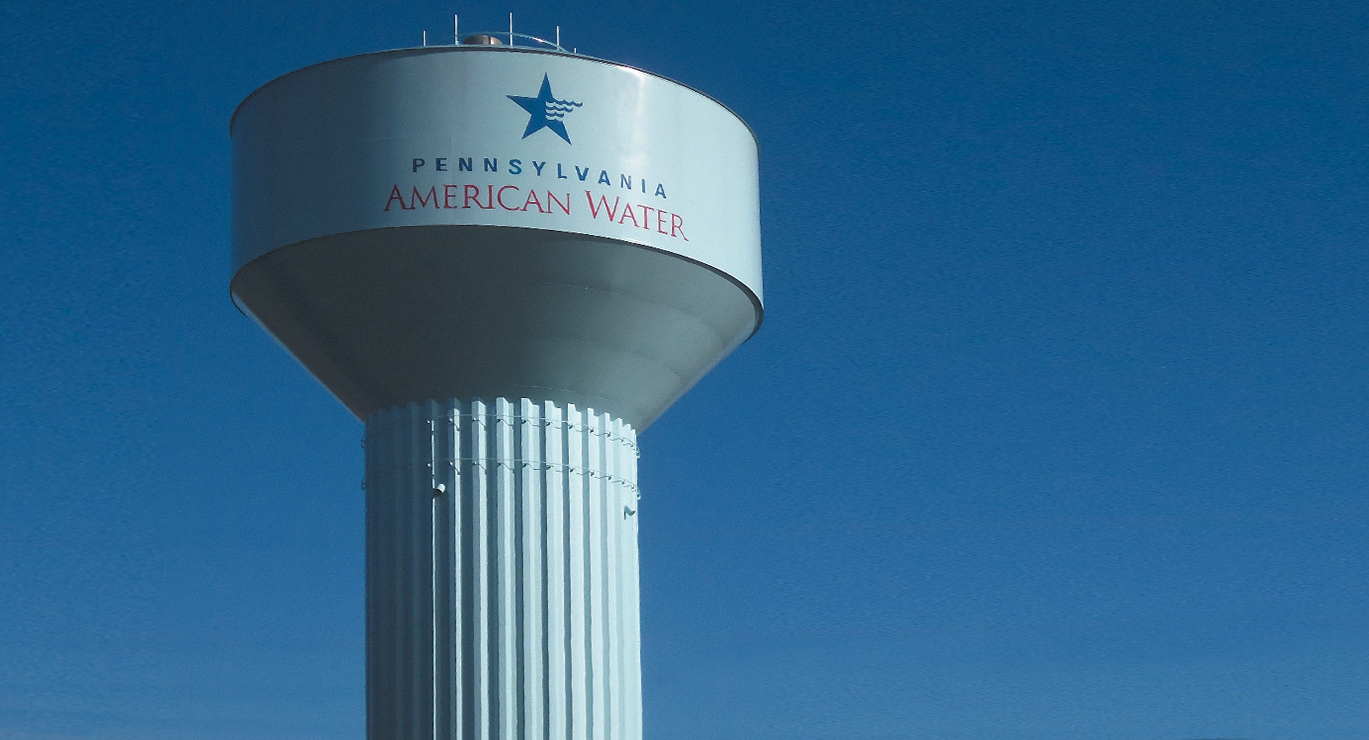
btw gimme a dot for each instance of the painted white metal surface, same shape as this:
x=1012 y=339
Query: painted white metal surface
x=502 y=596
x=383 y=203
x=548 y=232
x=495 y=137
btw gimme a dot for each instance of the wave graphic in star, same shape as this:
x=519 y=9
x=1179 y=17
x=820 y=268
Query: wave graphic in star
x=557 y=109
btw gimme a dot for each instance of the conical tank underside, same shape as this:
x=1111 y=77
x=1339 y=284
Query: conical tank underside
x=387 y=316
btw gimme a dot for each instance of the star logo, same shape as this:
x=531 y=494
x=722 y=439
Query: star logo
x=545 y=111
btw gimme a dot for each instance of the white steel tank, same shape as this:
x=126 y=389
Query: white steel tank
x=507 y=261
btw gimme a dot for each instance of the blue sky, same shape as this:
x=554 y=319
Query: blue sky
x=1056 y=428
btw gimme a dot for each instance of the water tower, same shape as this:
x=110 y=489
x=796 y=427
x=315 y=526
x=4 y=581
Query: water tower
x=507 y=260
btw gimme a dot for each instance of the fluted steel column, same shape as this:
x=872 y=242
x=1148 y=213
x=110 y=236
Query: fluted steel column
x=501 y=573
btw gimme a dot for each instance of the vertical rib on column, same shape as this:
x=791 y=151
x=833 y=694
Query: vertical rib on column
x=532 y=614
x=557 y=567
x=613 y=524
x=478 y=463
x=504 y=606
x=447 y=622
x=418 y=717
x=505 y=554
x=595 y=568
x=576 y=548
x=628 y=591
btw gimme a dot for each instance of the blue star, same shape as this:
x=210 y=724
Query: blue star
x=545 y=111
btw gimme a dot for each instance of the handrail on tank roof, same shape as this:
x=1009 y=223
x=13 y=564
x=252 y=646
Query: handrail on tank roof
x=507 y=39
x=504 y=38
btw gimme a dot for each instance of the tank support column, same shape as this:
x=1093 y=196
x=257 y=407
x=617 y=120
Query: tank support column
x=501 y=573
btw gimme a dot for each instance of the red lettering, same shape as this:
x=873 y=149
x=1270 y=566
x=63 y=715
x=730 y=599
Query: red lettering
x=472 y=193
x=500 y=197
x=563 y=206
x=419 y=201
x=677 y=224
x=627 y=213
x=660 y=221
x=603 y=203
x=395 y=195
x=489 y=198
x=645 y=210
x=448 y=192
x=533 y=201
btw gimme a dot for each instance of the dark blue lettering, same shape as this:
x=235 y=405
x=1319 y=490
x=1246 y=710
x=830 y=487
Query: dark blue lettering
x=418 y=163
x=538 y=166
x=440 y=164
x=463 y=164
